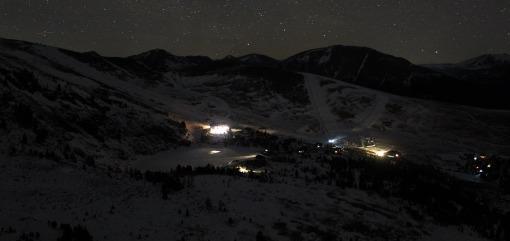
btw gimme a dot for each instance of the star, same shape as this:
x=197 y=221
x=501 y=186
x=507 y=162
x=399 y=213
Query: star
x=280 y=28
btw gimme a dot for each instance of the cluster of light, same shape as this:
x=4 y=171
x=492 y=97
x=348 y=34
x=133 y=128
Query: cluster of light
x=380 y=153
x=219 y=130
x=214 y=152
x=332 y=141
x=243 y=170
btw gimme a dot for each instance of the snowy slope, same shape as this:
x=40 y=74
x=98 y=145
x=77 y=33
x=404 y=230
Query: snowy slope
x=113 y=206
x=57 y=107
x=483 y=76
x=302 y=105
x=411 y=125
x=61 y=105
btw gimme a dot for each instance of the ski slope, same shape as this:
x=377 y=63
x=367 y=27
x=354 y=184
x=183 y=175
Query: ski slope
x=320 y=105
x=331 y=126
x=374 y=114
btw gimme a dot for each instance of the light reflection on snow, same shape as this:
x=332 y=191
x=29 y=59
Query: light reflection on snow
x=243 y=169
x=219 y=130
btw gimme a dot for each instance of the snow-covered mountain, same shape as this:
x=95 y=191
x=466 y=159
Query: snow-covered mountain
x=370 y=68
x=98 y=100
x=486 y=77
x=57 y=105
x=162 y=61
x=64 y=105
x=486 y=61
x=259 y=59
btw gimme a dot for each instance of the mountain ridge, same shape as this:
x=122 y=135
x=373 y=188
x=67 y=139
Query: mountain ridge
x=362 y=66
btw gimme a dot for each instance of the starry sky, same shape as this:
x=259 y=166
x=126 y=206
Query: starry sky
x=423 y=31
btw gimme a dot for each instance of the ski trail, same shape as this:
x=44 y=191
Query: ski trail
x=380 y=105
x=362 y=65
x=319 y=101
x=327 y=119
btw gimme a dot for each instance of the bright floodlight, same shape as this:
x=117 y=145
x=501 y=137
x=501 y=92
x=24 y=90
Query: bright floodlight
x=332 y=141
x=243 y=169
x=219 y=130
x=380 y=153
x=214 y=152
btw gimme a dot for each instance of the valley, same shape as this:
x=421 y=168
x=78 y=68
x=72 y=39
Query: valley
x=110 y=148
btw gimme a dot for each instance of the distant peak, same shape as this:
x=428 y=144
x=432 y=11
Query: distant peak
x=91 y=53
x=158 y=53
x=254 y=55
x=258 y=59
x=487 y=61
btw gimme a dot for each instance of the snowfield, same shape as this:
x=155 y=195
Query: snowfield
x=79 y=130
x=115 y=207
x=195 y=156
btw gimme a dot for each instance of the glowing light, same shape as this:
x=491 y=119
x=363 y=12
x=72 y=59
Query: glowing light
x=332 y=141
x=214 y=152
x=219 y=130
x=380 y=153
x=243 y=170
x=248 y=156
x=489 y=165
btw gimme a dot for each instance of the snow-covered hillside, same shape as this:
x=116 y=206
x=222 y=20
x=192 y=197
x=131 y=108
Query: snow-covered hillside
x=68 y=119
x=56 y=107
x=484 y=76
x=76 y=88
x=41 y=197
x=412 y=125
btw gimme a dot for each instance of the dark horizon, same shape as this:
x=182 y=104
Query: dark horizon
x=424 y=33
x=241 y=55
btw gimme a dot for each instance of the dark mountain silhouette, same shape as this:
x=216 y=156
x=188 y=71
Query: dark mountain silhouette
x=370 y=68
x=259 y=60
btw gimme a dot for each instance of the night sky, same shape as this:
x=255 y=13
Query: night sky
x=423 y=31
